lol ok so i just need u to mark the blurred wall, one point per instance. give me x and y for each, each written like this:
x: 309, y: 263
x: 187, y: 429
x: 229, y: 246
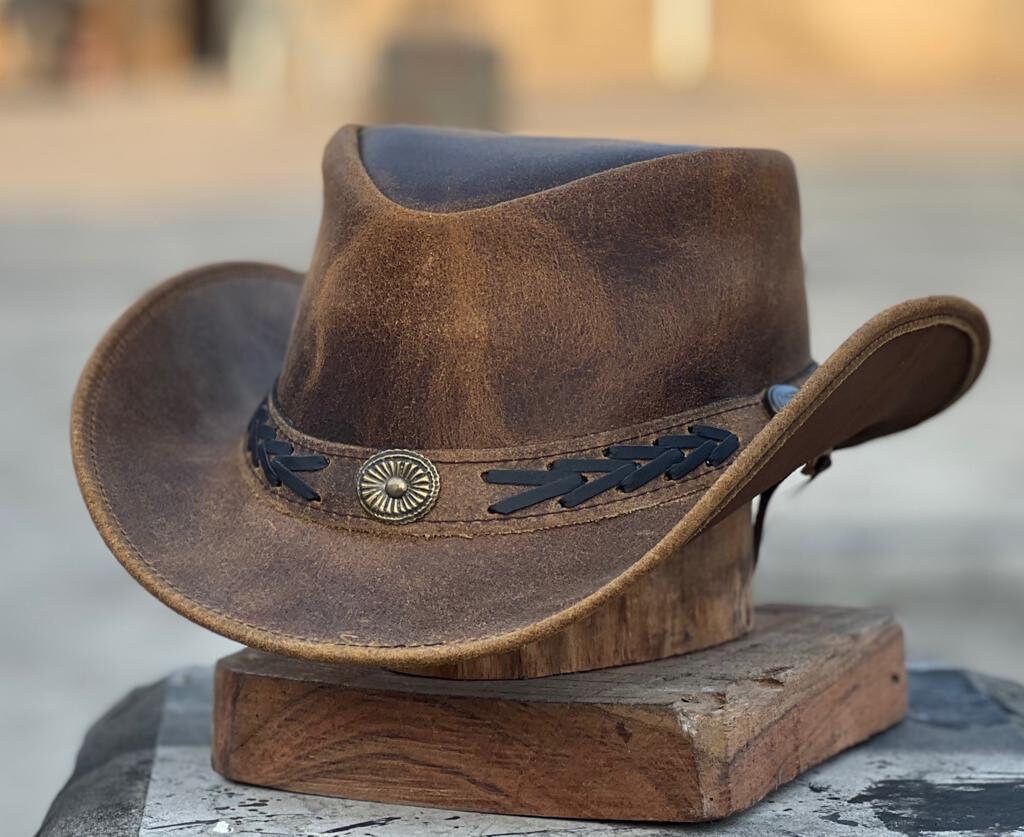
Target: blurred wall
x: 910, y: 45
x: 315, y: 46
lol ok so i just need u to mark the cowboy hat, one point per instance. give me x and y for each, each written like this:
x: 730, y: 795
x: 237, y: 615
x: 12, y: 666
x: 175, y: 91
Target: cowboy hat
x: 518, y: 374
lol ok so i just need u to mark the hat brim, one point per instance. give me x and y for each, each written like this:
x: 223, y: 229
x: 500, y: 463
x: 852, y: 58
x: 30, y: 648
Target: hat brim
x: 156, y: 437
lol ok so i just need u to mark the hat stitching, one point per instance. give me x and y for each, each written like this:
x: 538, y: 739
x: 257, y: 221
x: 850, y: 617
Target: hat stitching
x: 188, y: 282
x: 114, y: 351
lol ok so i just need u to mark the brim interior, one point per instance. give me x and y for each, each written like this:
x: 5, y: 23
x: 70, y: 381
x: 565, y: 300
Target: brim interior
x: 156, y: 436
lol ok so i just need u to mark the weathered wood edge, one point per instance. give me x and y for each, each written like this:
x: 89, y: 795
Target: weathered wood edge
x: 707, y: 751
x: 697, y: 598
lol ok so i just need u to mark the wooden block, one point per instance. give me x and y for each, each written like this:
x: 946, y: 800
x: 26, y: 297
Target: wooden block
x: 697, y: 598
x: 683, y: 739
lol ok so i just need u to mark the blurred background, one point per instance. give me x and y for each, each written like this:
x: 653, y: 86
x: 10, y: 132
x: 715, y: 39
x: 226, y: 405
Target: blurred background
x: 142, y: 137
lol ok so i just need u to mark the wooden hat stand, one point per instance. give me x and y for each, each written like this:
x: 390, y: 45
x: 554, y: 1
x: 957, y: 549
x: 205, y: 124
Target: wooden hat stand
x: 674, y: 702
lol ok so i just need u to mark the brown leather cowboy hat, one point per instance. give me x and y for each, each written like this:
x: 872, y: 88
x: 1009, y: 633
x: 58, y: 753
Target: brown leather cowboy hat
x: 519, y: 373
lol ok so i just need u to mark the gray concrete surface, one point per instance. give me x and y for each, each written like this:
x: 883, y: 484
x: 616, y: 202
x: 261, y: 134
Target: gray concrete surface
x: 929, y: 522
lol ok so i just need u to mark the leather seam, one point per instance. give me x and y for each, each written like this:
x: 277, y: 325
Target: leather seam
x: 353, y: 138
x: 112, y: 354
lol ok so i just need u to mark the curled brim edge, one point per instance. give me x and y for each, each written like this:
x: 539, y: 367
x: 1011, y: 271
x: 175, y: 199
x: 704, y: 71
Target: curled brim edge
x: 903, y: 366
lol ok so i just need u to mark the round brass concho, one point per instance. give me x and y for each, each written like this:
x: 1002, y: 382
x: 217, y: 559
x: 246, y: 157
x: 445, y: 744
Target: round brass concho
x: 397, y: 486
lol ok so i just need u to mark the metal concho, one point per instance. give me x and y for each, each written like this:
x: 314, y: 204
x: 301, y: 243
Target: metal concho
x: 397, y: 486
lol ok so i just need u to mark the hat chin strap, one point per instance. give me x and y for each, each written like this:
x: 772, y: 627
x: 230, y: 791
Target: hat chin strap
x: 812, y: 469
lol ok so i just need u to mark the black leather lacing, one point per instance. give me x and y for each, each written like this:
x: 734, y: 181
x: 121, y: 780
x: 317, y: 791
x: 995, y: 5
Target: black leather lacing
x: 274, y: 456
x: 621, y: 469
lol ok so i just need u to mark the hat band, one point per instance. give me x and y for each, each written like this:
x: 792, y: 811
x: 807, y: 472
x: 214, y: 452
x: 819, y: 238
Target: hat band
x: 453, y: 492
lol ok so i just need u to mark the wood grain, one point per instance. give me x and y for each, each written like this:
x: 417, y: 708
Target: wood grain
x: 698, y: 598
x: 685, y: 739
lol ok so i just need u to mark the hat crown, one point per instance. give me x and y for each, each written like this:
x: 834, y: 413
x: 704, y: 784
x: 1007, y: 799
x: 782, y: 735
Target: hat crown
x: 491, y: 291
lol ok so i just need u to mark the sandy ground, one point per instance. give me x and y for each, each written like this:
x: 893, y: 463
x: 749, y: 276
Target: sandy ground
x: 98, y: 205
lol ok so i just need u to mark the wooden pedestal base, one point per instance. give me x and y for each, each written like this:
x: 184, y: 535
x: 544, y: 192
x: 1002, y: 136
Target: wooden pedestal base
x: 683, y: 739
x: 698, y: 597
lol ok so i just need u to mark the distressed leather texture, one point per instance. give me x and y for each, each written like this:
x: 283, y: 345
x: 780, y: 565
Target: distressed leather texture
x: 597, y: 311
x: 634, y: 293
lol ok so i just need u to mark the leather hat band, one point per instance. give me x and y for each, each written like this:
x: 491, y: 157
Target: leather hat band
x: 465, y: 491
